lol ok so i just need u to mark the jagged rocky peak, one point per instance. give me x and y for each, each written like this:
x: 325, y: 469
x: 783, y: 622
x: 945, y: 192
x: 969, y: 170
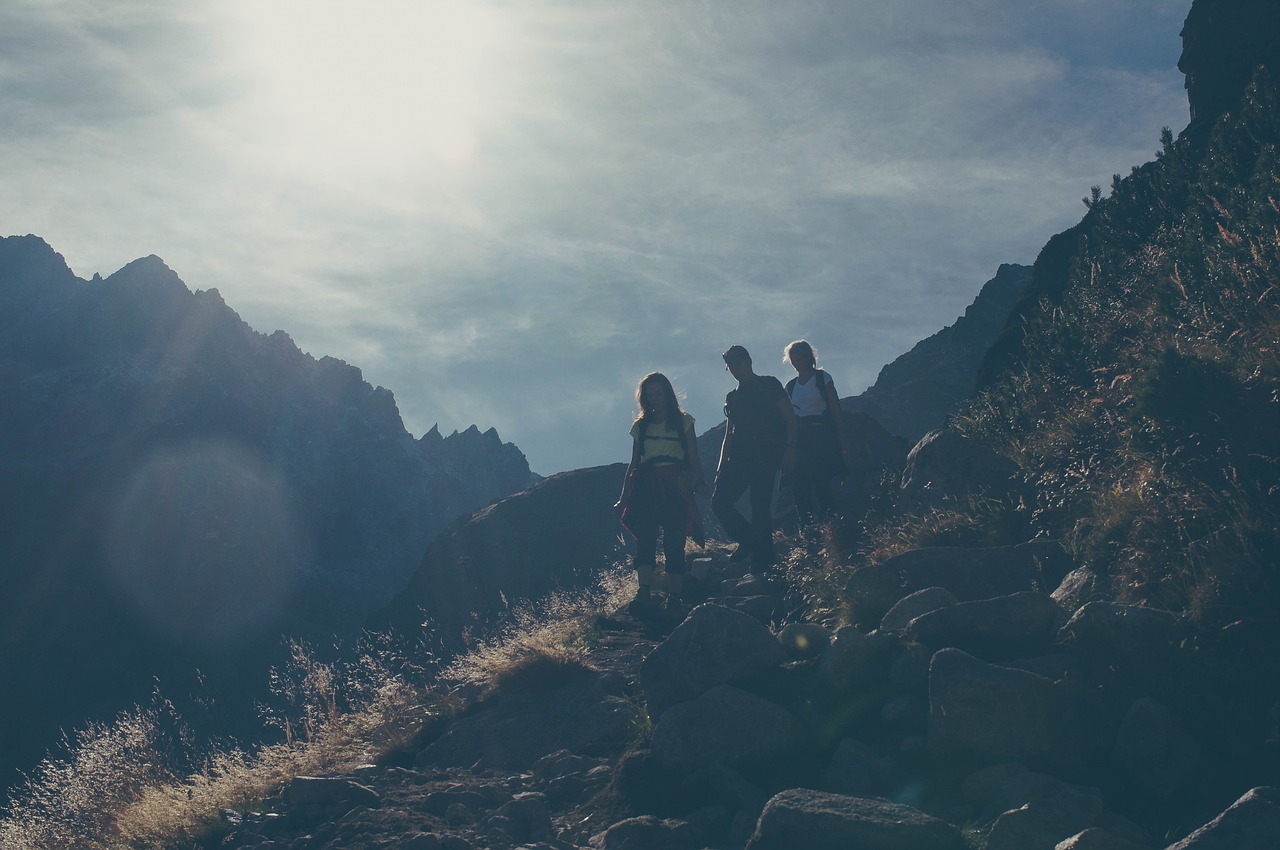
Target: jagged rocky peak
x: 1223, y: 43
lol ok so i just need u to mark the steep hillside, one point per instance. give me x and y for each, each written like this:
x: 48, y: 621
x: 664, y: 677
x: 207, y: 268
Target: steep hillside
x: 1138, y: 385
x: 918, y: 391
x: 177, y: 490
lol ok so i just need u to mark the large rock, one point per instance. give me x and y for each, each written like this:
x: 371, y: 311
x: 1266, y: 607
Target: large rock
x: 1154, y: 751
x: 914, y: 605
x: 1252, y: 823
x: 946, y: 466
x: 1096, y: 838
x: 1004, y: 627
x: 816, y: 820
x: 558, y: 533
x: 727, y: 726
x: 848, y: 661
x: 1009, y: 786
x: 714, y: 645
x: 968, y: 574
x: 1134, y: 641
x: 545, y: 711
x: 1031, y: 828
x: 980, y: 713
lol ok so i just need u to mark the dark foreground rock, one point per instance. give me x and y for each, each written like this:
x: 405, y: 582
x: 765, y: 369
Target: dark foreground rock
x: 822, y: 821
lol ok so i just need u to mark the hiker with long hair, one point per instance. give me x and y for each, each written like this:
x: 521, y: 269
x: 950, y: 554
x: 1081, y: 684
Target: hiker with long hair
x: 657, y: 492
x: 821, y: 445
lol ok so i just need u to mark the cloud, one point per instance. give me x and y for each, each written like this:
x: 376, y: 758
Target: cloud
x: 641, y: 184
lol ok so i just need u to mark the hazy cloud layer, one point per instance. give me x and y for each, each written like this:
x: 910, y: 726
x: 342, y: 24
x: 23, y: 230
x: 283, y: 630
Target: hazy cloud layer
x: 508, y: 213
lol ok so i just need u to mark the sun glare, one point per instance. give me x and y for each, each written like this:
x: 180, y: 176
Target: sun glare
x: 378, y: 86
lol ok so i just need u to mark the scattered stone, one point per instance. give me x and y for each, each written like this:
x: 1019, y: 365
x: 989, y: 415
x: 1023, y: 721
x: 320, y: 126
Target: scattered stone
x: 328, y: 791
x: 969, y: 574
x: 1032, y: 827
x: 981, y: 713
x: 1080, y: 587
x: 1251, y: 823
x: 1008, y: 786
x: 915, y: 604
x: 1095, y: 838
x: 847, y: 661
x: 727, y: 726
x: 816, y: 820
x: 1154, y: 751
x: 1135, y: 640
x: 713, y: 646
x: 855, y: 769
x: 1002, y: 627
x: 572, y: 709
x: 804, y: 640
x: 946, y: 466
x: 647, y: 833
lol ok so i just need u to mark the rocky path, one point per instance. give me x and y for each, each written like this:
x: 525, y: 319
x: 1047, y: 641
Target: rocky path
x: 965, y: 709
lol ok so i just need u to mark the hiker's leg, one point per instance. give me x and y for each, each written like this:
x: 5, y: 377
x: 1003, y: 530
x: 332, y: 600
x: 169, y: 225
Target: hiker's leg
x: 762, y: 479
x: 731, y: 483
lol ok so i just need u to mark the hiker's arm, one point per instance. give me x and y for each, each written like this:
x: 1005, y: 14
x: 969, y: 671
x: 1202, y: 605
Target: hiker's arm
x: 837, y: 413
x: 695, y: 462
x: 724, y: 447
x: 793, y: 428
x: 635, y: 459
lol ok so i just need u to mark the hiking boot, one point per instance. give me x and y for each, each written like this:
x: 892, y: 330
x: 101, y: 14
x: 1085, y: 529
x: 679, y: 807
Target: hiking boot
x: 643, y: 605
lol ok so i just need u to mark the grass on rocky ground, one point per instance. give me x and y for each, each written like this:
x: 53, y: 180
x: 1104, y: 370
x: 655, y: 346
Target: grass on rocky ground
x: 141, y: 782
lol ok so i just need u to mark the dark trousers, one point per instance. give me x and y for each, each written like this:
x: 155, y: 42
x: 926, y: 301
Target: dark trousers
x: 818, y: 465
x: 661, y: 505
x: 737, y: 475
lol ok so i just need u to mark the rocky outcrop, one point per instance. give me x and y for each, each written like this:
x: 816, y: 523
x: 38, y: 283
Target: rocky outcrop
x: 1223, y: 42
x: 556, y: 534
x: 918, y: 391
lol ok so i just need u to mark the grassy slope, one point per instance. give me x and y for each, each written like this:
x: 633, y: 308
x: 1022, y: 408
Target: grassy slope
x: 1139, y: 382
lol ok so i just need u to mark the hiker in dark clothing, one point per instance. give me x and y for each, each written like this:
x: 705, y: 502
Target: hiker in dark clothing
x: 821, y: 446
x: 658, y: 490
x: 759, y: 437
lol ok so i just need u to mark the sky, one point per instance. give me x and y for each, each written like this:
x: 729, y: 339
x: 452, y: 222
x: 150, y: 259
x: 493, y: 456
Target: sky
x: 507, y: 213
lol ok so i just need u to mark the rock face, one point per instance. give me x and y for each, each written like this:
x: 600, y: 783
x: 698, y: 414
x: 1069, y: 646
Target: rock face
x: 177, y: 490
x: 917, y: 392
x: 1223, y: 41
x: 558, y: 533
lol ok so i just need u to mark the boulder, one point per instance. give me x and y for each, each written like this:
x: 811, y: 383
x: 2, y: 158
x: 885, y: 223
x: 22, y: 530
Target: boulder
x: 1251, y: 823
x: 816, y: 820
x: 969, y: 574
x: 727, y: 726
x: 327, y: 791
x: 1154, y: 751
x: 1008, y: 786
x: 1096, y: 838
x: 1080, y: 587
x: 913, y: 605
x: 520, y: 820
x: 714, y: 645
x: 1134, y: 641
x: 1030, y: 828
x: 981, y: 713
x: 1010, y: 626
x: 946, y: 466
x: 804, y: 640
x: 856, y: 769
x: 569, y: 708
x: 648, y: 833
x: 847, y: 661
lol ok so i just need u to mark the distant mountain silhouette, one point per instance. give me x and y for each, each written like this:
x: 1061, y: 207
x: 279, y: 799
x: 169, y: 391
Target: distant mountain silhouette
x: 177, y: 490
x: 918, y: 391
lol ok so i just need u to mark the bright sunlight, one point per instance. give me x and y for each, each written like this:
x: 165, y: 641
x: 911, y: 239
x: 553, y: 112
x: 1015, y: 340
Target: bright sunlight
x: 370, y: 88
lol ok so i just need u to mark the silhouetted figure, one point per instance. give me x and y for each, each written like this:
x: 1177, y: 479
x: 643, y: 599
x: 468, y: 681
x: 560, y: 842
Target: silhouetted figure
x: 657, y: 493
x: 759, y: 437
x: 821, y: 447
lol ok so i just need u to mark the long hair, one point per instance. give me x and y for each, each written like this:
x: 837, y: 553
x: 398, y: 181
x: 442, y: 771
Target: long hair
x: 803, y: 349
x: 674, y: 413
